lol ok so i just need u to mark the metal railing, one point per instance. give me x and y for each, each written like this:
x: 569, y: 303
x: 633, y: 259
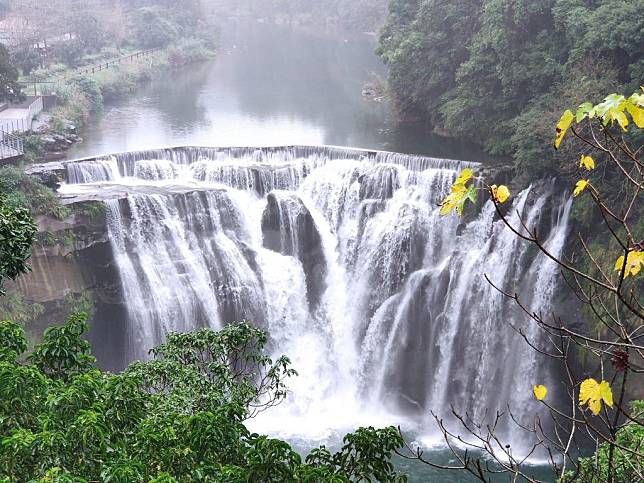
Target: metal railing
x: 37, y: 88
x: 11, y: 146
x: 9, y: 126
x: 92, y: 69
x: 35, y: 108
x: 27, y: 113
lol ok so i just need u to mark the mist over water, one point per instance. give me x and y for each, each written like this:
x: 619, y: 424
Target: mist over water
x: 259, y: 91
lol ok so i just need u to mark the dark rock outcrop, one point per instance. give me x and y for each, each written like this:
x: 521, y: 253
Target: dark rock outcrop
x: 289, y: 228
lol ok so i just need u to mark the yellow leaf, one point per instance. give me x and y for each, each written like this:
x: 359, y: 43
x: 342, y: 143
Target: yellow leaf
x: 634, y: 263
x: 592, y: 393
x: 637, y: 113
x: 586, y: 390
x: 465, y: 176
x: 587, y: 162
x: 452, y: 200
x: 595, y: 406
x: 621, y: 119
x: 460, y: 192
x: 500, y: 193
x: 562, y: 127
x: 637, y: 99
x: 540, y: 392
x: 580, y: 186
x: 619, y: 264
x: 447, y: 205
x: 458, y: 188
x: 606, y: 393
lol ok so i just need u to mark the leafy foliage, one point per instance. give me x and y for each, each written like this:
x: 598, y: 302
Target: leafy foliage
x: 17, y: 232
x: 593, y: 393
x: 634, y: 263
x: 23, y: 191
x: 177, y: 417
x: 12, y: 340
x: 9, y: 88
x: 14, y: 306
x: 464, y: 189
x: 627, y: 464
x: 153, y: 29
x: 495, y: 71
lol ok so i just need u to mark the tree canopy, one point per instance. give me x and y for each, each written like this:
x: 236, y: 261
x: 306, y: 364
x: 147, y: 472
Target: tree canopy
x: 9, y: 88
x: 489, y: 70
x: 177, y: 417
x: 17, y: 232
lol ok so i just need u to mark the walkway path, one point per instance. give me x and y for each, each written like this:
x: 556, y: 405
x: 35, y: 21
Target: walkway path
x: 17, y: 119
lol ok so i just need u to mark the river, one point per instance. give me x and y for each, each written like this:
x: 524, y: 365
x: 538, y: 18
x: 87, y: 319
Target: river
x: 269, y: 85
x: 273, y: 85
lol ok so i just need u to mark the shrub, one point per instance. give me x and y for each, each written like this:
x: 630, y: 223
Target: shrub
x: 90, y: 89
x: 22, y: 190
x: 626, y: 463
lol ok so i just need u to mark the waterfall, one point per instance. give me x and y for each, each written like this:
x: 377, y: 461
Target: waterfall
x: 106, y: 169
x: 342, y: 257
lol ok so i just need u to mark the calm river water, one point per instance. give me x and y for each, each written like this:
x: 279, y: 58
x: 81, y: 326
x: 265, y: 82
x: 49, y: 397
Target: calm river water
x: 272, y: 85
x: 269, y: 85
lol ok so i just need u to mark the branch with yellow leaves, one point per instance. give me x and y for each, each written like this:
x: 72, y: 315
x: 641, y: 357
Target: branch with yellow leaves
x: 612, y: 300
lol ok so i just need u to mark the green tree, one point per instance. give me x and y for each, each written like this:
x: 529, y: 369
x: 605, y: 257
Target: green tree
x: 22, y: 190
x: 10, y: 90
x: 153, y: 28
x: 489, y: 70
x: 627, y: 464
x: 177, y: 417
x: 17, y: 232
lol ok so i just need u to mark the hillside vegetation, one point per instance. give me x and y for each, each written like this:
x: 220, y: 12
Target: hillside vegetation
x: 499, y: 71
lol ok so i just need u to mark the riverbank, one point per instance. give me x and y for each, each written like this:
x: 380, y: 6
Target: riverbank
x: 81, y: 95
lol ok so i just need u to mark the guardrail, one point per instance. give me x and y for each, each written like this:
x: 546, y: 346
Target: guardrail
x: 9, y: 126
x: 26, y: 113
x: 35, y: 108
x: 92, y: 69
x: 45, y: 88
x: 10, y: 146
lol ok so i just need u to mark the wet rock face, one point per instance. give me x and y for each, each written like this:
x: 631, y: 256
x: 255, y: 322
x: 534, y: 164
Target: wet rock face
x: 69, y: 256
x: 73, y: 258
x: 288, y: 228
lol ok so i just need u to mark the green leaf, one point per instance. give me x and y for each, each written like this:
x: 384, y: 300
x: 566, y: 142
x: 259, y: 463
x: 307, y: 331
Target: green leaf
x: 583, y: 111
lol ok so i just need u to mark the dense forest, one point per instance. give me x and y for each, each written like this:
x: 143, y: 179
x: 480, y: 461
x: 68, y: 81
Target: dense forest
x: 498, y: 71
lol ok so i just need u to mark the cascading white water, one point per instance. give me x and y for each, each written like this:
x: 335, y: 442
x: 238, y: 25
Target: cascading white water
x: 341, y: 255
x: 106, y: 169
